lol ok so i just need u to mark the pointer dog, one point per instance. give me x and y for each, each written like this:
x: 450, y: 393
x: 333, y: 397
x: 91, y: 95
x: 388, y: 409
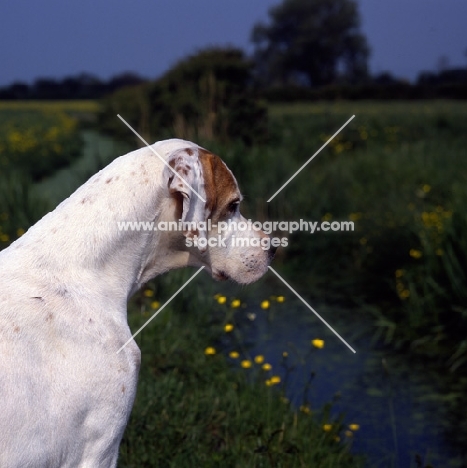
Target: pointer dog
x: 65, y: 393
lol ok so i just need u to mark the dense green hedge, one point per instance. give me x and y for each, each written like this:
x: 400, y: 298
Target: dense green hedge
x: 207, y: 96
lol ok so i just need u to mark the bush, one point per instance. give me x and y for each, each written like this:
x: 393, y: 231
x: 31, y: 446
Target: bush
x: 208, y: 96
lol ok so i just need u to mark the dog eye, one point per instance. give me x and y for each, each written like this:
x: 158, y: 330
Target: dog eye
x: 233, y: 206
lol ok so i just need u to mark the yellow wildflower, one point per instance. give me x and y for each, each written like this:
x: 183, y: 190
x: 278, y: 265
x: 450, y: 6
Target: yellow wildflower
x: 355, y: 216
x: 265, y: 305
x: 404, y: 294
x: 280, y: 298
x: 234, y: 355
x: 317, y: 343
x: 221, y: 299
x: 414, y: 253
x: 354, y: 427
x: 209, y: 351
x: 148, y: 293
x: 155, y: 304
x: 235, y: 303
x: 246, y: 364
x: 266, y: 366
x: 327, y: 427
x: 228, y: 327
x: 259, y: 359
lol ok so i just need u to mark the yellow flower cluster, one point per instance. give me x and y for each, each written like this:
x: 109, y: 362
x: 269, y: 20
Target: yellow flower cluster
x: 45, y: 134
x: 337, y: 143
x: 402, y: 290
x: 349, y: 433
x: 435, y: 219
x: 235, y: 303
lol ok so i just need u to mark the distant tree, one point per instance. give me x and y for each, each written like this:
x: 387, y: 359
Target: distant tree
x: 82, y: 86
x: 385, y: 78
x: 124, y: 79
x: 442, y: 63
x: 46, y: 88
x: 17, y: 90
x: 316, y: 41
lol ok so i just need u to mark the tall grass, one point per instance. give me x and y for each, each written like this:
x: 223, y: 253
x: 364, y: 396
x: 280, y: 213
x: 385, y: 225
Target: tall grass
x: 20, y: 207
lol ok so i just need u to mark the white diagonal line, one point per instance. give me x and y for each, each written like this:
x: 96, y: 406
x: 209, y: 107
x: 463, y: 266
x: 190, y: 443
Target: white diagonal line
x: 317, y: 152
x: 160, y: 309
x: 311, y: 308
x: 159, y: 156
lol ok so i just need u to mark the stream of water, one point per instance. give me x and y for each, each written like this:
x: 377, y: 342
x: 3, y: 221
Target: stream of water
x: 396, y: 405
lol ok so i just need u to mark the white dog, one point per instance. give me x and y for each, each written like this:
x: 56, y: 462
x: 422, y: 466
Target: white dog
x: 65, y: 392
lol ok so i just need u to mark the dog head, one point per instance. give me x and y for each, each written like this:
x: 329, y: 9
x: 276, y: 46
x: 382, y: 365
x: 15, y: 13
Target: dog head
x: 207, y: 207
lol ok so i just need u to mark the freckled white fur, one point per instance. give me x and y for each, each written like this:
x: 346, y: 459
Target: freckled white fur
x: 65, y: 393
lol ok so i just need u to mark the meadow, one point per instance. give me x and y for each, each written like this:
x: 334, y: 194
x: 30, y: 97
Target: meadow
x: 398, y: 171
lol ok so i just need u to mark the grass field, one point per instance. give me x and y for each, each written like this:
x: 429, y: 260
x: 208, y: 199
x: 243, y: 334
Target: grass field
x: 50, y: 106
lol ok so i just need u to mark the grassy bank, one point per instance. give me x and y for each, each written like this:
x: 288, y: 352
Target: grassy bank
x: 193, y: 409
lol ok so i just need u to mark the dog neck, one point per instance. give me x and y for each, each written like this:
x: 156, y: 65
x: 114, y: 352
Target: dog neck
x: 88, y: 230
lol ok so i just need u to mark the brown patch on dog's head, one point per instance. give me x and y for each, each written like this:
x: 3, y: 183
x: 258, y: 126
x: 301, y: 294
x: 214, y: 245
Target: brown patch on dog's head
x: 220, y: 185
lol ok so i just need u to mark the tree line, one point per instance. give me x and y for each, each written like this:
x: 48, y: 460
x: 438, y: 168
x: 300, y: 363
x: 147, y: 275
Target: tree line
x: 81, y: 86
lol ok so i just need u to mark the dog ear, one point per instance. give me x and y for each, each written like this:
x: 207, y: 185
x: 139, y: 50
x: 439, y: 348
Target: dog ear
x: 186, y: 179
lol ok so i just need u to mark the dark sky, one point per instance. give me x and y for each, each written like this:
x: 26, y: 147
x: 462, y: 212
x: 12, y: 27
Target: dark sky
x: 55, y: 38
